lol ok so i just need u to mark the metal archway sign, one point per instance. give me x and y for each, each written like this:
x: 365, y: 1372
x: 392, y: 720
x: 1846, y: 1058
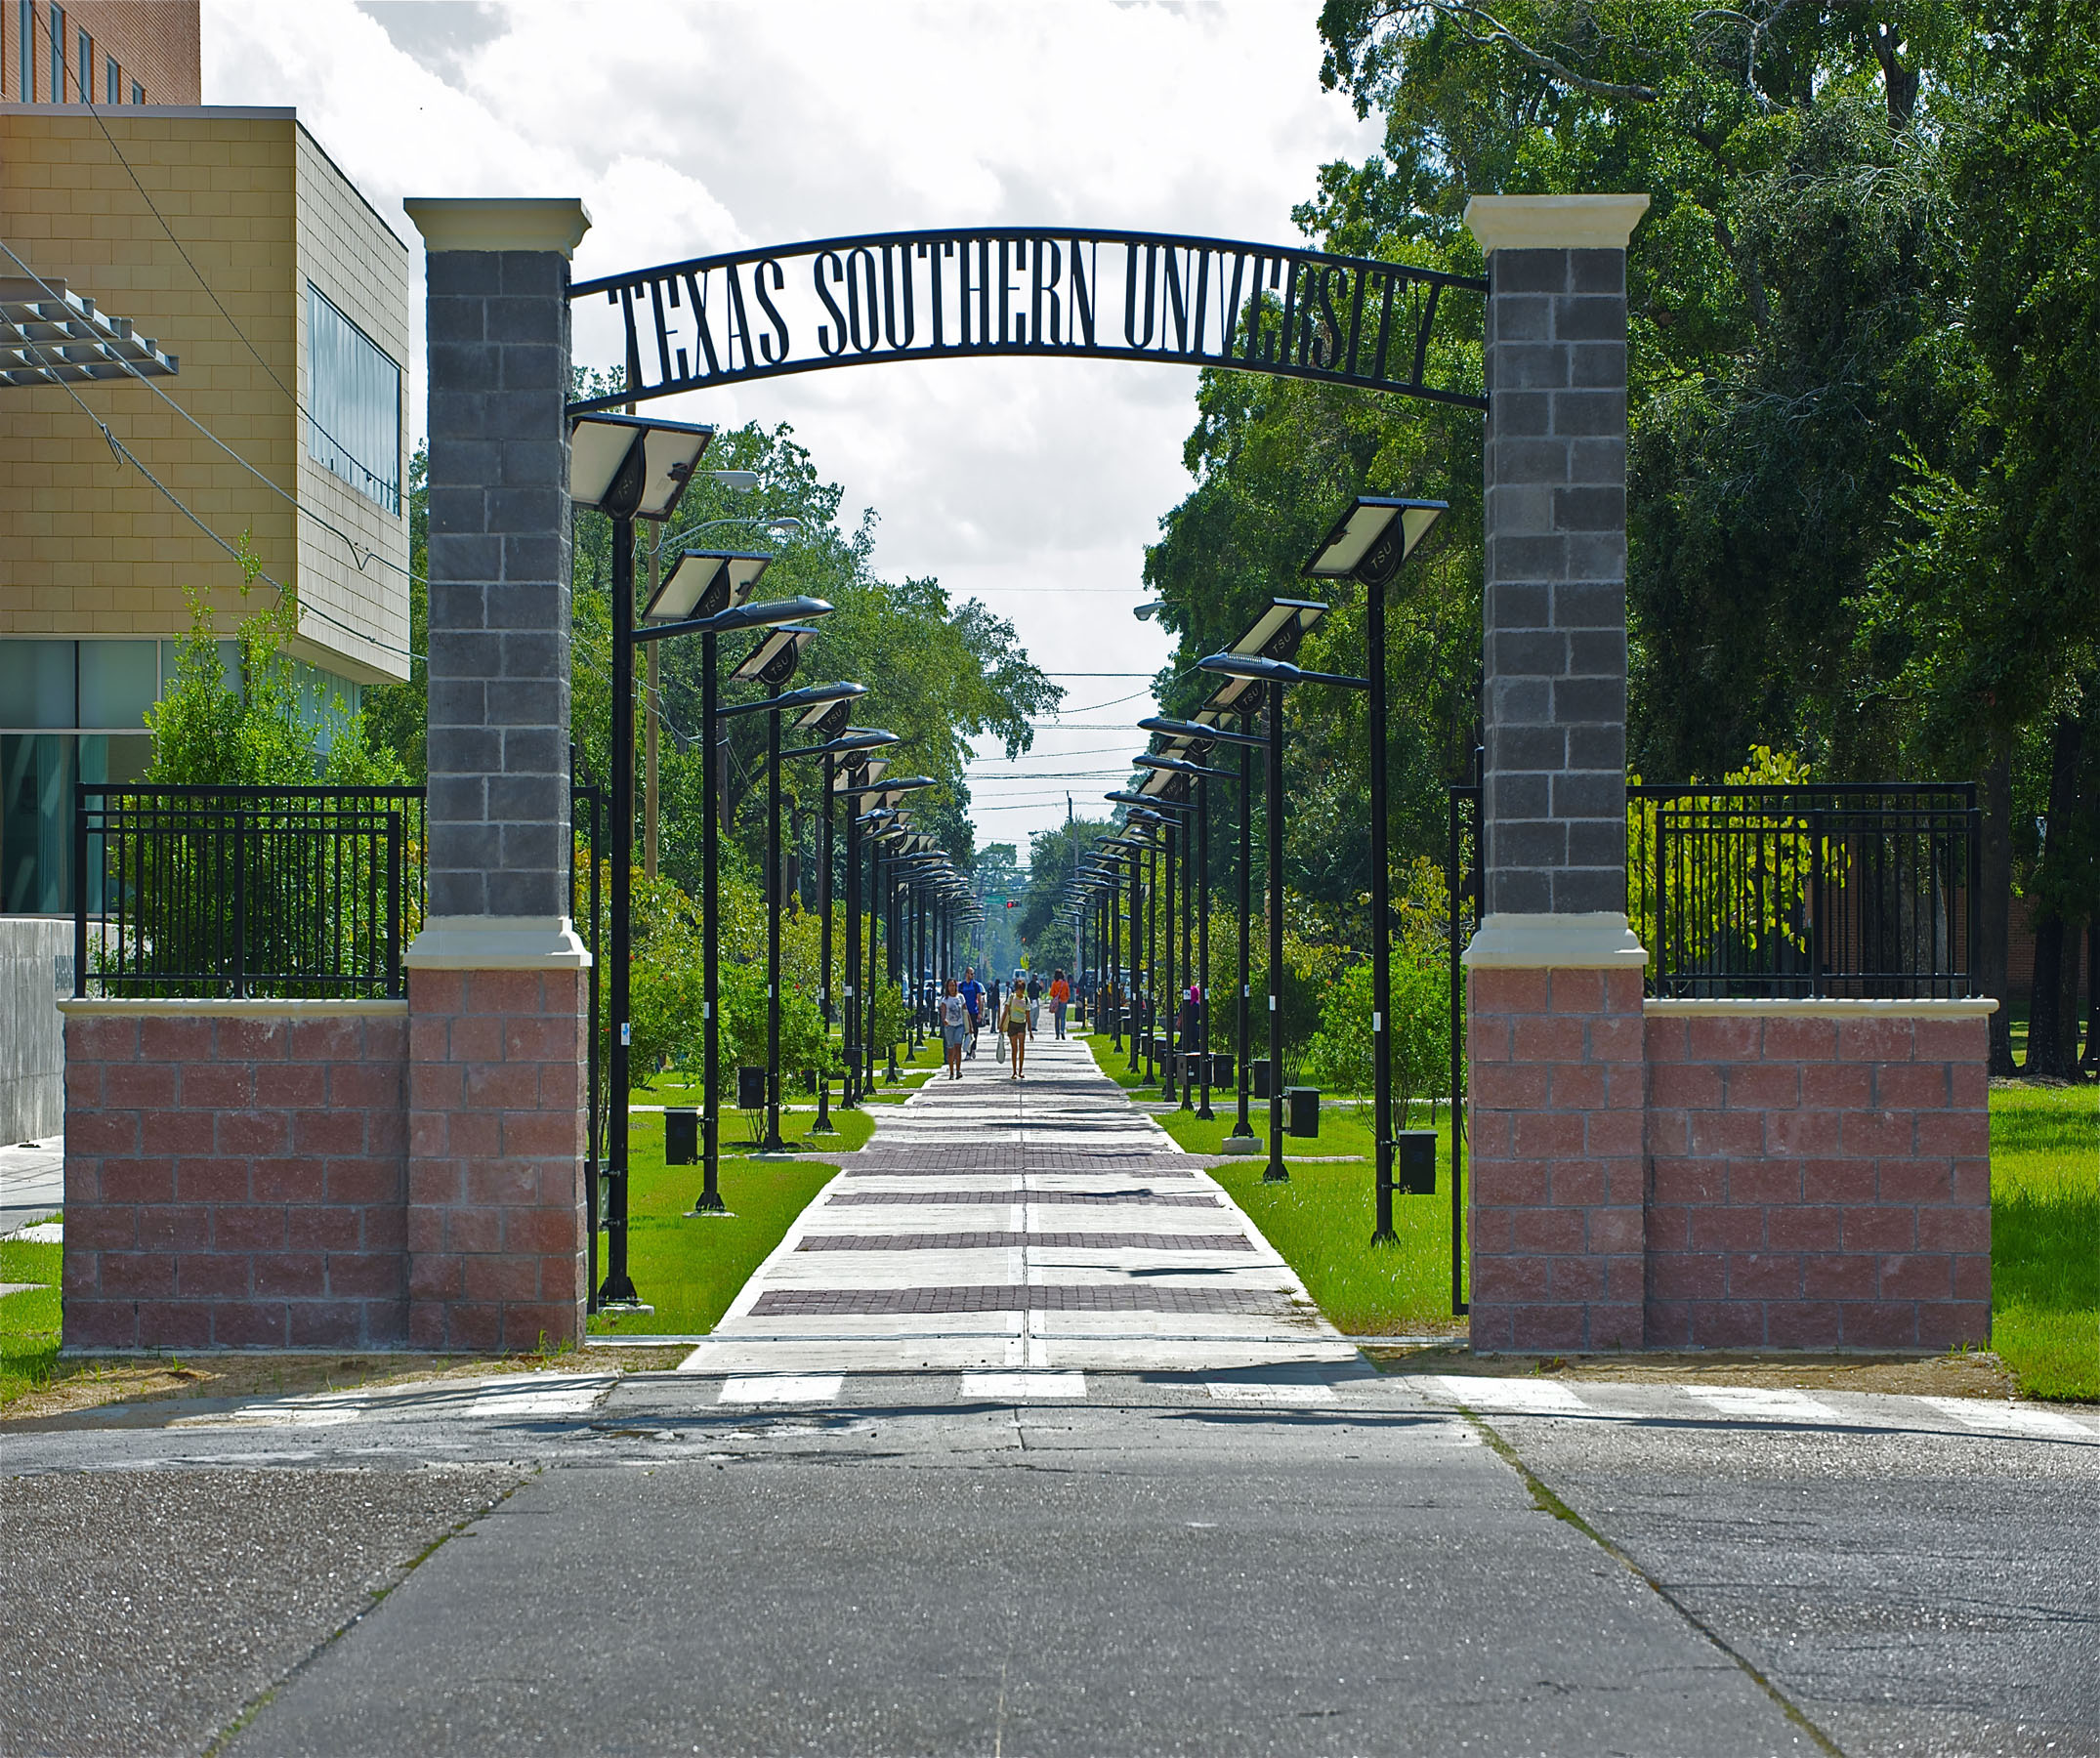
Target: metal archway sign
x: 1033, y: 292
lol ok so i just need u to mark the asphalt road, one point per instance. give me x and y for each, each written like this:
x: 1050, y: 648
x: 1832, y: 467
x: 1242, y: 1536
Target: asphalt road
x: 1325, y: 1562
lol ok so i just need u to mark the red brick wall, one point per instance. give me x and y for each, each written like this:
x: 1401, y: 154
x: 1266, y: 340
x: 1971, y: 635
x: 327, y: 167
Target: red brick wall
x: 235, y: 1181
x: 1818, y: 1182
x: 495, y: 1171
x: 157, y: 43
x: 1555, y: 1090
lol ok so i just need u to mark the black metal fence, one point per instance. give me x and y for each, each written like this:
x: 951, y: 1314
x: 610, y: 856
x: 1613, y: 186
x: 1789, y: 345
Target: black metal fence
x: 210, y: 891
x: 1789, y: 893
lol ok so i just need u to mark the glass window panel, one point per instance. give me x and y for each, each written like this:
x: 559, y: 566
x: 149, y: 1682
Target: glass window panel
x: 36, y: 798
x: 119, y: 682
x: 57, y: 55
x: 111, y: 88
x: 355, y: 404
x: 138, y: 93
x: 36, y: 684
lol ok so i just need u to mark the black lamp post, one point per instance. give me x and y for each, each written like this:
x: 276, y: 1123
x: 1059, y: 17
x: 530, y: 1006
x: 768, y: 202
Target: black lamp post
x: 771, y: 663
x: 1369, y: 543
x: 1203, y: 775
x: 627, y: 469
x: 838, y: 746
x: 704, y: 593
x: 1278, y: 674
x: 1201, y: 732
x: 1274, y: 634
x: 857, y: 771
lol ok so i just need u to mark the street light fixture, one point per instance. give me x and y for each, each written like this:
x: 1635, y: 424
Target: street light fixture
x: 1368, y: 543
x: 627, y: 468
x: 771, y: 661
x: 1278, y: 674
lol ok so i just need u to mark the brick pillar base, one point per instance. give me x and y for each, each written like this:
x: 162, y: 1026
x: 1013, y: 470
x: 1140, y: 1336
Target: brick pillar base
x: 497, y: 1144
x: 1555, y: 1115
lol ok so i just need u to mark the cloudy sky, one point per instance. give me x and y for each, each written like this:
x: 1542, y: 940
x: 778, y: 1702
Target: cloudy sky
x: 690, y: 128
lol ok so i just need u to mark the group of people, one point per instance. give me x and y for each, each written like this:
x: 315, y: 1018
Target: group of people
x: 966, y: 1005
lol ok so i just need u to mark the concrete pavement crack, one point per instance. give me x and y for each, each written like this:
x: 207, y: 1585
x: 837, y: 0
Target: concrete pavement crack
x: 1548, y: 1501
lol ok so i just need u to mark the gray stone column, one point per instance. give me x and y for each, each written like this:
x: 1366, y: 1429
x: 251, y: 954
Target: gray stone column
x: 1554, y: 703
x: 496, y: 1215
x: 1556, y: 1086
x: 499, y: 381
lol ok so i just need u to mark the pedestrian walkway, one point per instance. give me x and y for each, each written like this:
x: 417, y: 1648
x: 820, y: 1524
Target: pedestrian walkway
x: 997, y: 1224
x: 32, y: 1182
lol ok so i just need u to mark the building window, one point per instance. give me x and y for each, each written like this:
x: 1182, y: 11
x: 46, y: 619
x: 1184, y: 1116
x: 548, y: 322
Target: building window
x: 25, y: 44
x: 138, y: 93
x: 57, y: 55
x: 112, y: 90
x: 84, y: 70
x: 353, y: 402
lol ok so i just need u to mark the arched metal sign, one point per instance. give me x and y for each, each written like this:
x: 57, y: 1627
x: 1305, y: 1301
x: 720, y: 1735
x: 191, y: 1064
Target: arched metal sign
x: 1036, y: 292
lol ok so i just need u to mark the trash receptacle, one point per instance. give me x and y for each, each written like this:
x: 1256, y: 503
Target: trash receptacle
x: 682, y: 1136
x: 1414, y: 1162
x: 1301, y: 1110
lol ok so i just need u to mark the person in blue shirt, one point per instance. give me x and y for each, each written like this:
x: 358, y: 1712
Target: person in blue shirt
x: 973, y: 994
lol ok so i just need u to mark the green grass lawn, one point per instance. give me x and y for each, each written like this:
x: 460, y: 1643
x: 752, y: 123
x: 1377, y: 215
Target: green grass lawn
x: 29, y: 1322
x: 690, y: 1270
x: 682, y: 1086
x: 2045, y: 1236
x: 1321, y: 1222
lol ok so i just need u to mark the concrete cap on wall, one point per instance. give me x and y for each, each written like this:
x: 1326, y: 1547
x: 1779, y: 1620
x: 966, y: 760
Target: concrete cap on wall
x: 1554, y: 222
x: 1588, y: 941
x: 555, y: 224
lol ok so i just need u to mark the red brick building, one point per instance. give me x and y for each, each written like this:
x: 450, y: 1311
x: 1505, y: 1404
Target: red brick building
x: 108, y: 53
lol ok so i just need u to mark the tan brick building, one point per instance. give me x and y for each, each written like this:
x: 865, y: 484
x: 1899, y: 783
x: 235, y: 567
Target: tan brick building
x: 228, y: 237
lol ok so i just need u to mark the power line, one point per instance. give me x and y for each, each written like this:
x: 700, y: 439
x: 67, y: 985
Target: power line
x: 81, y: 83
x: 358, y: 553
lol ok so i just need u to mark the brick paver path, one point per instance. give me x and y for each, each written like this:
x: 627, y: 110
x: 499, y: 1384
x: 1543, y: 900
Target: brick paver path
x: 962, y: 1237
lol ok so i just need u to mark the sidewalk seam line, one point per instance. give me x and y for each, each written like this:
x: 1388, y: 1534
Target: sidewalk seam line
x: 1548, y: 1501
x: 223, y: 1740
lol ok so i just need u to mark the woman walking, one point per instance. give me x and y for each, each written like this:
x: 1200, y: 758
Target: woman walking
x: 1060, y: 995
x: 1016, y: 1025
x: 954, y: 1027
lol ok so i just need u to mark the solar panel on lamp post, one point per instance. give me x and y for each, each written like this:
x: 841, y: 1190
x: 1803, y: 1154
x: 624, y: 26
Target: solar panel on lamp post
x: 839, y: 746
x: 1278, y: 674
x: 704, y: 594
x: 1160, y: 805
x: 858, y: 787
x: 1203, y: 775
x: 628, y: 469
x: 771, y: 663
x: 1369, y: 544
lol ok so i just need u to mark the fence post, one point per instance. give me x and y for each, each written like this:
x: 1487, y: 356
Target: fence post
x: 1554, y: 1042
x: 241, y: 903
x: 496, y: 977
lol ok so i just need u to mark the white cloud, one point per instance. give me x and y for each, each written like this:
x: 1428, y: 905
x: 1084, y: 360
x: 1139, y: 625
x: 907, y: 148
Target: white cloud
x: 692, y: 128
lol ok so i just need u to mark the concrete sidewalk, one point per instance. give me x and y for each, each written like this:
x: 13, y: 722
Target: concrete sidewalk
x: 32, y: 1182
x: 1039, y: 1224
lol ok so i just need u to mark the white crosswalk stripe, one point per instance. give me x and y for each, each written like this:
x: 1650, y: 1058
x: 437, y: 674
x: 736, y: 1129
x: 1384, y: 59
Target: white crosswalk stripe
x: 1023, y: 1387
x: 1264, y: 1391
x: 1513, y: 1397
x: 1763, y: 1404
x: 2010, y: 1418
x: 783, y: 1389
